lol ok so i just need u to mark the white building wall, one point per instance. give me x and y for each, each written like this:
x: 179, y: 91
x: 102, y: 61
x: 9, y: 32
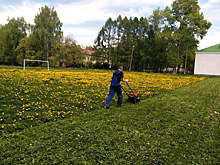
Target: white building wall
x: 207, y: 63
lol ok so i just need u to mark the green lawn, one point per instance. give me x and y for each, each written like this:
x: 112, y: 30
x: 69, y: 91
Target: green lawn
x: 178, y: 127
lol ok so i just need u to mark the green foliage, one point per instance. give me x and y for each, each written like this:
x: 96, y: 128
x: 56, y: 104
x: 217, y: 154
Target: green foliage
x: 15, y: 46
x: 116, y: 39
x: 11, y: 34
x: 165, y: 39
x: 189, y: 24
x: 25, y: 51
x: 47, y: 31
x: 162, y: 40
x: 68, y: 53
x: 89, y: 65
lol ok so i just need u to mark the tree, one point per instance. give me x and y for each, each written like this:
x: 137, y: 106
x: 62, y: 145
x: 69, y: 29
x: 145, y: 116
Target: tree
x: 109, y: 33
x: 127, y: 43
x: 161, y: 39
x: 118, y: 45
x: 69, y: 53
x: 168, y: 38
x: 191, y: 25
x: 47, y: 31
x: 2, y: 28
x: 25, y: 50
x: 11, y: 33
x: 106, y: 41
x: 100, y: 46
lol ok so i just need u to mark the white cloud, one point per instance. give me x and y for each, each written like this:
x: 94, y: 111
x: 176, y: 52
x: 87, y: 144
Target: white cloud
x: 99, y: 10
x: 79, y: 31
x: 83, y: 11
x: 211, y: 9
x: 77, y: 13
x: 85, y: 41
x: 211, y: 13
x: 211, y: 38
x: 27, y: 9
x: 214, y: 1
x: 83, y: 36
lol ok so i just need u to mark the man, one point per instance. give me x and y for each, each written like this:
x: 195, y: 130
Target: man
x: 116, y: 87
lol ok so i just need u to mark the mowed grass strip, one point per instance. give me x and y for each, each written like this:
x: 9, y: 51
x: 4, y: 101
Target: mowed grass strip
x: 178, y: 127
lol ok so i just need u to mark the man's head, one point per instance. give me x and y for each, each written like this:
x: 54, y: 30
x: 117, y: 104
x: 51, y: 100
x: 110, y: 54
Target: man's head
x: 120, y: 67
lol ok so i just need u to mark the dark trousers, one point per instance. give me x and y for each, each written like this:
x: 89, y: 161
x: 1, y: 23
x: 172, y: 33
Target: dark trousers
x: 112, y: 91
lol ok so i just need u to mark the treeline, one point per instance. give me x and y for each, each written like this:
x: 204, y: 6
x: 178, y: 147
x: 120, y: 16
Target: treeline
x: 168, y: 38
x: 20, y: 40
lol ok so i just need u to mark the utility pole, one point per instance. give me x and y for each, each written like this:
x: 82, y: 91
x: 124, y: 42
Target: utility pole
x: 131, y: 58
x: 186, y: 58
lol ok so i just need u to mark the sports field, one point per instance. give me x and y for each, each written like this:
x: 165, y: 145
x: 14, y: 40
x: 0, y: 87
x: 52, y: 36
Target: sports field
x: 56, y: 117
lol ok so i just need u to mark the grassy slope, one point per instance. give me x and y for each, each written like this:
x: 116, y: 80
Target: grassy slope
x: 179, y: 127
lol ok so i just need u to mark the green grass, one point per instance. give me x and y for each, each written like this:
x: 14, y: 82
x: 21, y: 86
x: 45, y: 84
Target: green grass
x: 178, y: 127
x: 38, y: 68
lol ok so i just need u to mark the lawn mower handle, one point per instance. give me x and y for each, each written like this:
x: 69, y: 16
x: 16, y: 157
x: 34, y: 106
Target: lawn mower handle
x: 130, y: 88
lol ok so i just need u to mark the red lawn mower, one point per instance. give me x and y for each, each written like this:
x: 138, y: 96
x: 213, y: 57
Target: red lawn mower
x: 132, y: 97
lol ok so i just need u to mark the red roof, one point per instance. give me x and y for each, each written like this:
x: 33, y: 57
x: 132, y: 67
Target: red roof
x: 90, y: 52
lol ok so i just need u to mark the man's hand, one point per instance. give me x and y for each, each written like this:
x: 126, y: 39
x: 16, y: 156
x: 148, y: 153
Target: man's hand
x: 124, y: 80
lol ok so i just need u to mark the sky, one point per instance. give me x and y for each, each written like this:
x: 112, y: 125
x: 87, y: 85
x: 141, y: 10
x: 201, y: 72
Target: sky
x: 83, y: 19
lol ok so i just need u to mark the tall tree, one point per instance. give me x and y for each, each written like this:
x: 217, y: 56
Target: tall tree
x: 68, y: 52
x: 2, y: 28
x: 47, y: 30
x: 168, y: 38
x: 118, y: 45
x: 100, y: 47
x: 109, y: 36
x: 191, y: 25
x: 157, y: 46
x: 147, y: 37
x: 127, y: 43
x: 11, y: 34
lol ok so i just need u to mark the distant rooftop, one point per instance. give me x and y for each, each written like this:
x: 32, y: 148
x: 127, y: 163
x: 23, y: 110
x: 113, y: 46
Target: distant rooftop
x: 90, y: 52
x: 215, y: 48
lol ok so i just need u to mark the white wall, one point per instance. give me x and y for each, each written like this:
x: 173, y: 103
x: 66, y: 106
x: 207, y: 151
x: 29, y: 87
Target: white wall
x: 207, y: 63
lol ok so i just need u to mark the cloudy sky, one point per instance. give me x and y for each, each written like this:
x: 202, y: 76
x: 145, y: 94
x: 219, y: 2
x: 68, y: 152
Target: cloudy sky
x: 84, y: 18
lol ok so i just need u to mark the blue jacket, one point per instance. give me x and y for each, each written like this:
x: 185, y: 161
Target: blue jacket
x: 117, y: 76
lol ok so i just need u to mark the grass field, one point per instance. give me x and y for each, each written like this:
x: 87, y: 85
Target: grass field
x: 56, y: 118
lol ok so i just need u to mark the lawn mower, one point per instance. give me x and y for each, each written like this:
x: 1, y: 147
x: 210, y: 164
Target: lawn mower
x: 132, y: 97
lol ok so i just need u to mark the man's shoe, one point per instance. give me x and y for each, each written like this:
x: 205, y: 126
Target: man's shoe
x: 106, y: 107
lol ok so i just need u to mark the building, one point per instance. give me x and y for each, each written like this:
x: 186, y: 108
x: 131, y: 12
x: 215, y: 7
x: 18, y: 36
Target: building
x: 207, y: 61
x: 88, y: 55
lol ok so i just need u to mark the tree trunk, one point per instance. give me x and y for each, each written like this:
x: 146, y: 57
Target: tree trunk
x: 131, y: 58
x: 186, y: 58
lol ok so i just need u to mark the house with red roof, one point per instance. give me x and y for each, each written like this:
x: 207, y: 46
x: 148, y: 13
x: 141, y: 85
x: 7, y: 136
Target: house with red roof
x: 88, y: 54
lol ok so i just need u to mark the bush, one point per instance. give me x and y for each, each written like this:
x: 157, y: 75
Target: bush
x: 89, y: 65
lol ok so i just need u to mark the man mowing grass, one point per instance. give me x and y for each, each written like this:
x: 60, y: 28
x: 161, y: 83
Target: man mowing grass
x: 116, y: 87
